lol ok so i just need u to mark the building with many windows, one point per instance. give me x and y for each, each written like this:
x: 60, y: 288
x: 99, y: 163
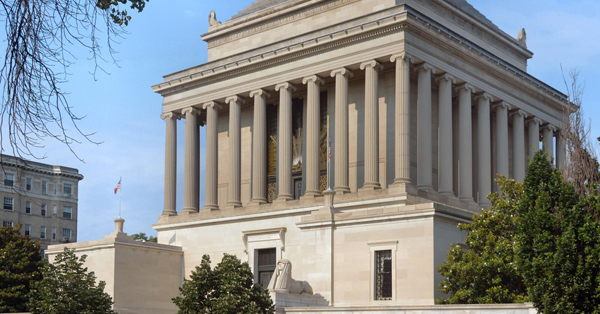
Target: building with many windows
x: 41, y: 197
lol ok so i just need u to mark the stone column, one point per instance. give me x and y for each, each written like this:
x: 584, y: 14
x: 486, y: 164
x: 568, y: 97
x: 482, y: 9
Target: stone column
x: 211, y: 201
x: 424, y: 136
x: 561, y: 151
x: 502, y: 138
x: 465, y: 143
x: 402, y: 121
x: 484, y: 149
x: 170, y: 208
x: 519, y: 145
x: 548, y: 133
x: 341, y: 184
x: 533, y: 143
x: 313, y: 135
x: 284, y: 141
x: 190, y: 188
x: 371, y: 124
x: 445, y: 186
x: 235, y: 151
x: 259, y: 147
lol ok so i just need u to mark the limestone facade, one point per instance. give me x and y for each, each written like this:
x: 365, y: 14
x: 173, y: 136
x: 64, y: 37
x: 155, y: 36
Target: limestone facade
x: 425, y: 100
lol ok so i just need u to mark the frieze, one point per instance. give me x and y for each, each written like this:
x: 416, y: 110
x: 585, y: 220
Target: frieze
x: 286, y: 19
x: 471, y: 28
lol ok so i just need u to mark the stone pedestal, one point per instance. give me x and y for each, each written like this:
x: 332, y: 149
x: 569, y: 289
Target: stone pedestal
x: 283, y: 300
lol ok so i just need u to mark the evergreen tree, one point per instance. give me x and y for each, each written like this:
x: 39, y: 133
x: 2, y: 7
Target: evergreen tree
x: 558, y: 251
x: 68, y: 287
x: 226, y: 289
x: 20, y: 263
x: 485, y: 272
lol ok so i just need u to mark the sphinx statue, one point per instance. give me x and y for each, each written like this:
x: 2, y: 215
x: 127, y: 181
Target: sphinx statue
x: 212, y: 19
x: 282, y: 281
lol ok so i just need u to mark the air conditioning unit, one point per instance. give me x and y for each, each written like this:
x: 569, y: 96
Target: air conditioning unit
x: 66, y: 240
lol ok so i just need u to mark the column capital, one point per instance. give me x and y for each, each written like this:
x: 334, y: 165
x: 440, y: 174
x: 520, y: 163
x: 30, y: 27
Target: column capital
x: 343, y: 71
x: 372, y: 63
x: 536, y: 120
x: 191, y: 110
x: 447, y: 77
x: 484, y: 95
x: 549, y: 126
x: 426, y: 67
x: 170, y: 115
x: 286, y: 85
x: 520, y: 112
x: 466, y: 86
x: 502, y: 103
x: 313, y: 79
x: 259, y: 93
x: 235, y: 99
x: 402, y: 56
x: 212, y: 104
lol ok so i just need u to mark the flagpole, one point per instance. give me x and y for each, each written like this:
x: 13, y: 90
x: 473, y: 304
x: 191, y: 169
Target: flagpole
x: 328, y: 157
x: 120, y: 195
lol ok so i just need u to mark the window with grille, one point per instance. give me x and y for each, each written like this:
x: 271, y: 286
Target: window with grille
x: 266, y: 264
x: 67, y: 189
x: 27, y: 230
x: 43, y: 212
x: 7, y: 223
x: 67, y: 212
x: 383, y: 275
x: 42, y: 232
x: 44, y: 187
x: 28, y: 184
x: 28, y: 207
x: 9, y: 180
x: 8, y: 203
x: 54, y: 210
x: 66, y: 235
x: 53, y: 234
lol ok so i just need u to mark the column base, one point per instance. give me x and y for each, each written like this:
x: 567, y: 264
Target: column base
x: 284, y: 198
x: 169, y: 212
x: 258, y: 201
x: 189, y: 210
x: 370, y: 186
x: 466, y: 199
x: 446, y: 193
x: 234, y: 204
x: 402, y: 181
x: 311, y: 194
x: 211, y: 207
x: 342, y: 189
x: 425, y: 187
x: 485, y: 205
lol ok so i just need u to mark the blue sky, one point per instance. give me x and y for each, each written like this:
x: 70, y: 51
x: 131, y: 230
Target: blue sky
x: 125, y: 114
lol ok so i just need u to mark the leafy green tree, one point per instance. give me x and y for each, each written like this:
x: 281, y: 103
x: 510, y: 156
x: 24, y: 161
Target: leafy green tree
x: 20, y: 263
x: 486, y: 271
x: 228, y: 288
x: 558, y: 242
x: 144, y: 237
x: 68, y: 287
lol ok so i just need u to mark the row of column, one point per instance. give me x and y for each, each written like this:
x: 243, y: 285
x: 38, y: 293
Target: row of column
x: 484, y: 103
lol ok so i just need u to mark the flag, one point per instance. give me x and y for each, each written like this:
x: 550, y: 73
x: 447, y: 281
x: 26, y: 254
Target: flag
x: 118, y: 187
x: 329, y: 152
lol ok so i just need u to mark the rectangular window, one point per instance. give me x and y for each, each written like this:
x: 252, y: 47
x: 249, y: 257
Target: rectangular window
x: 28, y: 184
x: 43, y: 212
x: 42, y: 232
x: 55, y: 184
x: 7, y: 224
x: 265, y: 266
x: 28, y: 207
x: 383, y: 275
x: 67, y: 212
x: 54, y: 210
x: 53, y: 234
x: 66, y: 235
x: 44, y: 187
x: 8, y: 203
x: 27, y: 230
x: 67, y: 189
x: 9, y: 179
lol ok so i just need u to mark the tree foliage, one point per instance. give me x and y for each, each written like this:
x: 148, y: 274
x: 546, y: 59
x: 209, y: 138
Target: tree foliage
x: 228, y: 288
x: 486, y: 271
x: 20, y: 263
x: 39, y: 36
x: 558, y: 237
x: 142, y: 236
x: 68, y: 287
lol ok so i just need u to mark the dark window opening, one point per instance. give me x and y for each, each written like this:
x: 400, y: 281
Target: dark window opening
x: 267, y: 261
x: 383, y: 275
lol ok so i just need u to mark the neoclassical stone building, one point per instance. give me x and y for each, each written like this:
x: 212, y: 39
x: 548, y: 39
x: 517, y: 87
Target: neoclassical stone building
x: 422, y: 102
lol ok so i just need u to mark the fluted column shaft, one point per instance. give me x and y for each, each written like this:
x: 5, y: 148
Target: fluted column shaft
x: 561, y: 151
x: 502, y: 138
x: 341, y: 184
x: 519, y: 145
x: 445, y: 187
x: 548, y: 133
x: 284, y: 145
x: 313, y: 135
x: 212, y: 156
x: 190, y: 188
x: 371, y: 69
x: 259, y: 147
x: 235, y: 151
x: 424, y: 137
x: 465, y: 143
x: 533, y: 143
x: 170, y: 163
x: 402, y: 119
x: 484, y: 149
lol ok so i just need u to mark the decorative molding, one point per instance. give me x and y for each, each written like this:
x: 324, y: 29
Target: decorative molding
x: 426, y: 67
x: 372, y: 64
x: 280, y: 232
x: 285, y: 19
x: 260, y: 93
x: 502, y: 103
x: 342, y: 71
x: 402, y: 56
x: 520, y: 112
x: 212, y: 104
x: 445, y: 76
x: 170, y: 115
x: 191, y: 110
x: 286, y: 86
x: 549, y: 126
x: 484, y: 95
x: 313, y: 79
x: 236, y: 99
x: 466, y: 86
